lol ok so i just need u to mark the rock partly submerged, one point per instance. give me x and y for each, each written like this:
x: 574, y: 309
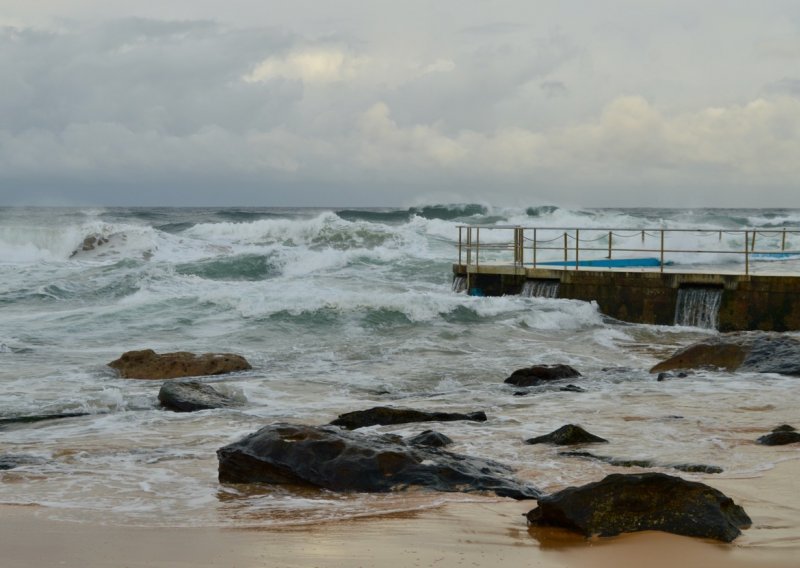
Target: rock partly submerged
x: 430, y: 438
x: 330, y: 458
x: 757, y: 352
x: 147, y: 364
x: 541, y: 374
x: 388, y: 415
x: 780, y: 436
x: 639, y: 502
x: 567, y: 435
x: 189, y: 396
x: 620, y: 462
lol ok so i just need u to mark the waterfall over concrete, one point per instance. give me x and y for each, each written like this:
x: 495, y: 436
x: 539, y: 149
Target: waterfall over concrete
x: 540, y: 289
x: 459, y: 284
x: 698, y: 307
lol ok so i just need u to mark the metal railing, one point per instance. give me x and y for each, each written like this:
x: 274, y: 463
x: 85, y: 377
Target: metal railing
x: 567, y: 248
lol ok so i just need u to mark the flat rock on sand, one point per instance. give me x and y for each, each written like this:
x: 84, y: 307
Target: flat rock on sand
x: 147, y: 364
x: 639, y: 502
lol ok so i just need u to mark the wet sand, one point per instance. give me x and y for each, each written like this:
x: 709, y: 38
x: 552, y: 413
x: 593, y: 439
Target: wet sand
x: 464, y: 534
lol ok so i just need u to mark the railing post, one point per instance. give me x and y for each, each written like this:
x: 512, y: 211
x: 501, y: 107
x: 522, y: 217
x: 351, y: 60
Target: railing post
x: 746, y: 253
x: 477, y: 247
x: 534, y: 248
x: 661, y: 264
x: 753, y: 242
x: 577, y: 247
x: 610, y: 234
x: 469, y: 259
x: 783, y: 240
x: 459, y: 244
x: 469, y: 246
x: 565, y: 249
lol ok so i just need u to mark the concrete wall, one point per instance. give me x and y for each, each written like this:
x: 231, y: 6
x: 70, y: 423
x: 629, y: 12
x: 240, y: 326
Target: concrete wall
x: 748, y: 302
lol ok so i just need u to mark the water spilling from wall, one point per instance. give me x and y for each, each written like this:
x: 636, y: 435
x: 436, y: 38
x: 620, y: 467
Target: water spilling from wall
x: 540, y: 289
x: 698, y: 307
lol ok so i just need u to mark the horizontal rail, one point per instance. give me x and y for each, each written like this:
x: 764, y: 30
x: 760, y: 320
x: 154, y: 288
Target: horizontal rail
x: 531, y: 246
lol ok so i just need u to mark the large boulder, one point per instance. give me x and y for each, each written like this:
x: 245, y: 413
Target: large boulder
x: 330, y: 458
x: 147, y: 364
x: 640, y: 502
x: 541, y: 374
x: 757, y: 352
x: 387, y: 415
x: 567, y: 435
x: 188, y: 396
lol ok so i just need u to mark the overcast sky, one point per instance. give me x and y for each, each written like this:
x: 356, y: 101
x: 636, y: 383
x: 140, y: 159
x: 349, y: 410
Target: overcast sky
x: 326, y: 102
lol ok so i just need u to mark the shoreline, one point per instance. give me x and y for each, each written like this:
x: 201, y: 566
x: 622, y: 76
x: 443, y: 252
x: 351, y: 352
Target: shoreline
x: 456, y: 534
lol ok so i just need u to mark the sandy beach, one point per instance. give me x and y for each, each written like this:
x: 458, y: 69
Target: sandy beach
x: 467, y: 534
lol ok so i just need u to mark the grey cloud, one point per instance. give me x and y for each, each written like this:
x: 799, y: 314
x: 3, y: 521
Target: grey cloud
x: 369, y: 109
x: 553, y: 89
x: 785, y: 86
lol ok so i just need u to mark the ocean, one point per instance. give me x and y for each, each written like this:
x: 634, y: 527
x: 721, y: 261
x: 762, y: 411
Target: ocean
x: 337, y: 310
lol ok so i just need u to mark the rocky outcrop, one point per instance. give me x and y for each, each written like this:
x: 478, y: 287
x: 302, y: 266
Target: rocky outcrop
x: 330, y: 458
x: 147, y: 364
x: 188, y: 396
x: 90, y: 243
x: 387, y: 415
x: 616, y: 462
x: 639, y: 502
x: 567, y: 435
x: 430, y: 438
x: 757, y: 352
x: 780, y: 436
x: 541, y: 374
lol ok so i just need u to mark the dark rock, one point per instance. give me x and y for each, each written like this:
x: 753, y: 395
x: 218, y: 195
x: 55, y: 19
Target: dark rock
x: 430, y: 438
x: 664, y: 376
x: 572, y: 388
x: 386, y: 415
x: 696, y: 468
x: 638, y: 502
x: 90, y: 243
x: 522, y: 393
x: 10, y: 461
x: 758, y: 352
x: 609, y: 460
x: 147, y: 364
x: 784, y: 428
x: 538, y: 374
x: 779, y: 438
x: 616, y: 462
x: 330, y: 458
x: 30, y: 419
x: 188, y: 396
x: 567, y: 435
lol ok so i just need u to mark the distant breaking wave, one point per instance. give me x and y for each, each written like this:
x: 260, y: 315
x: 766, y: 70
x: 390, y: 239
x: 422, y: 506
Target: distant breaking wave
x: 442, y: 212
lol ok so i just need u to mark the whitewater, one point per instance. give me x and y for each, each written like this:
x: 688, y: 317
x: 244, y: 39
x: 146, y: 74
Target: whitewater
x: 337, y: 310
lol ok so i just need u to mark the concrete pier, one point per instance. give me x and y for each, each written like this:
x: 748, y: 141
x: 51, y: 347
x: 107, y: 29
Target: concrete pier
x: 749, y: 302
